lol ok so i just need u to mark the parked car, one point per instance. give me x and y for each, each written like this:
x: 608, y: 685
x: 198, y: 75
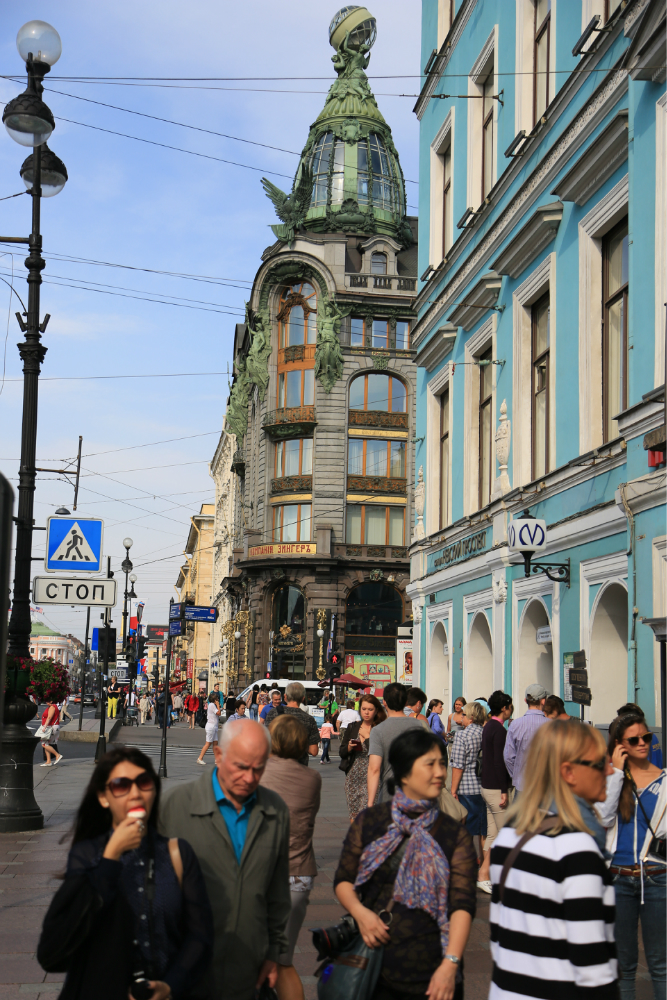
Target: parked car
x: 89, y: 698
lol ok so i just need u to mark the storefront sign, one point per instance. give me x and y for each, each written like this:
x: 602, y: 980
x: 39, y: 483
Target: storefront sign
x: 378, y: 671
x: 459, y: 551
x: 283, y: 549
x: 543, y: 635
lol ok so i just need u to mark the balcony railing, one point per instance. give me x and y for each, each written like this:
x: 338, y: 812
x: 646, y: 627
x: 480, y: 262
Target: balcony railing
x: 292, y: 421
x: 292, y: 484
x: 377, y: 484
x: 377, y: 418
x: 373, y: 552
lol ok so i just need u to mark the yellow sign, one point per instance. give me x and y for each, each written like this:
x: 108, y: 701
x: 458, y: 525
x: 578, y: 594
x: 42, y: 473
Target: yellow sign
x: 283, y: 549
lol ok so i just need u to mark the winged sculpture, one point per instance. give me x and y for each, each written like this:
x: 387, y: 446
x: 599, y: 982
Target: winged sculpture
x: 290, y: 209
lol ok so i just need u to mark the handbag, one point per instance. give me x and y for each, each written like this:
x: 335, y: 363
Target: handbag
x: 351, y: 975
x: 450, y: 806
x: 44, y: 732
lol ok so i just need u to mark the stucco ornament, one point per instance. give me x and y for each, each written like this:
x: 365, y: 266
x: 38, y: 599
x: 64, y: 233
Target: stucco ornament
x: 417, y: 611
x: 237, y: 410
x: 376, y: 575
x: 499, y: 591
x: 420, y: 495
x: 257, y: 362
x: 328, y: 355
x: 291, y: 209
x: 503, y: 438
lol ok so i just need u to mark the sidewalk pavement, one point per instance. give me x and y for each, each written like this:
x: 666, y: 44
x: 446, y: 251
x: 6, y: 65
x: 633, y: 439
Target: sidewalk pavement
x: 31, y: 865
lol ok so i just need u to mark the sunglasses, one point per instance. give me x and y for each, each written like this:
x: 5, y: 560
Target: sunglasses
x: 634, y: 740
x: 121, y: 786
x: 597, y: 765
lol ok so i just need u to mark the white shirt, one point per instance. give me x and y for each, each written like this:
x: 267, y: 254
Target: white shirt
x: 212, y: 713
x: 347, y: 717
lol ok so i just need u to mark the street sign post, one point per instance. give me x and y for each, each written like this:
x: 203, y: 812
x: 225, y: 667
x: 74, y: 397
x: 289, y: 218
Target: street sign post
x: 198, y: 613
x: 73, y: 544
x: 575, y: 679
x: 74, y: 590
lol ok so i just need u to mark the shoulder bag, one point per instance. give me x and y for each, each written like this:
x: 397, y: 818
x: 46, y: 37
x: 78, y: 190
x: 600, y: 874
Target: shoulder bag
x: 347, y: 762
x: 44, y: 732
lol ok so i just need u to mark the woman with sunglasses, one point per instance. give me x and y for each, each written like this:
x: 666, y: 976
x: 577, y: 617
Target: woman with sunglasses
x: 552, y: 902
x: 634, y: 812
x: 127, y: 884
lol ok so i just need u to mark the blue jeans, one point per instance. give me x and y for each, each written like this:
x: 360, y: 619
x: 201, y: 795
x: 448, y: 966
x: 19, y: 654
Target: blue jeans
x: 629, y: 911
x: 325, y: 750
x: 253, y: 712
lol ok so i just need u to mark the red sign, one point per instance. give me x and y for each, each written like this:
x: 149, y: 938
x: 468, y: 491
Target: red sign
x: 190, y: 669
x: 349, y: 662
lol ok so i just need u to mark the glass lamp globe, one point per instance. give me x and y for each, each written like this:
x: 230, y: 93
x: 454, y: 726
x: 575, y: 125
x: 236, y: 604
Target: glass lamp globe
x: 225, y: 641
x: 360, y: 23
x: 133, y: 578
x: 53, y: 173
x: 128, y: 543
x: 40, y: 39
x: 320, y: 633
x: 28, y: 120
x: 237, y: 635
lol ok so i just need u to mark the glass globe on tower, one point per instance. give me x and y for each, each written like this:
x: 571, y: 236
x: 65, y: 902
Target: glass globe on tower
x: 360, y: 23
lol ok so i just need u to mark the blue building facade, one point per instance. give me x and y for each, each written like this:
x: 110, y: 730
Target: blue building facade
x: 541, y: 347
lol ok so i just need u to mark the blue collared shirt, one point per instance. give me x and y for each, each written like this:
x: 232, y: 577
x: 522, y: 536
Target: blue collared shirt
x: 236, y: 822
x: 519, y: 735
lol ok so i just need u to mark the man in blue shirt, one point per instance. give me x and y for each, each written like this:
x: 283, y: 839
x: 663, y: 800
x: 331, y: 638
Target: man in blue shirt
x: 521, y: 732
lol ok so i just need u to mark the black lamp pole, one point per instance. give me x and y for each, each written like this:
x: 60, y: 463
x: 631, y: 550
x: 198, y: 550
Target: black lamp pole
x: 29, y: 121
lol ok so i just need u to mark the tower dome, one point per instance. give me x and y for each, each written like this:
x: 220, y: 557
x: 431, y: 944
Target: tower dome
x: 349, y: 177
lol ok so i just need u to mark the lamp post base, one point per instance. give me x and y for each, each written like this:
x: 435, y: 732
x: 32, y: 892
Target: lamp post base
x: 18, y: 807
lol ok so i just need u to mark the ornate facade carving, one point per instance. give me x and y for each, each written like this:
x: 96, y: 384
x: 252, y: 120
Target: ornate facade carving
x: 420, y: 495
x: 503, y: 438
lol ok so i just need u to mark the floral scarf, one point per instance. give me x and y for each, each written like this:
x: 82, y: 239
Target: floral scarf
x: 422, y: 881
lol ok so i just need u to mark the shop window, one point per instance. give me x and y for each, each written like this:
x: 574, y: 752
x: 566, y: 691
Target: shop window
x: 296, y: 388
x: 540, y: 322
x: 542, y: 44
x: 376, y: 458
x: 291, y: 523
x: 294, y: 457
x: 485, y: 428
x: 378, y: 263
x: 373, y: 609
x: 615, y: 327
x: 297, y: 315
x: 374, y: 524
x: 378, y: 392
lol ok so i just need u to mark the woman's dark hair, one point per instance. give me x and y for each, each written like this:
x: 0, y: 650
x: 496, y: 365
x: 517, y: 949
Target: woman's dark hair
x: 395, y: 697
x: 554, y: 704
x: 92, y: 819
x: 380, y: 714
x: 406, y: 749
x: 462, y: 700
x: 433, y: 703
x: 498, y: 701
x: 626, y: 802
x: 214, y: 696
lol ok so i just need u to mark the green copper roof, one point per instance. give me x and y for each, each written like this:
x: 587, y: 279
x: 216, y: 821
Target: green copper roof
x: 38, y: 629
x: 349, y: 178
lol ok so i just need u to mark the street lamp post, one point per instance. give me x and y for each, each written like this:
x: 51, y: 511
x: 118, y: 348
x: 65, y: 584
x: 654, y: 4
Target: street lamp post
x: 126, y: 567
x: 30, y: 123
x: 237, y: 636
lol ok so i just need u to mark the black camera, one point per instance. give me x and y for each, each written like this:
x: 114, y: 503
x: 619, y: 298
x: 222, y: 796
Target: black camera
x: 141, y: 988
x: 331, y: 941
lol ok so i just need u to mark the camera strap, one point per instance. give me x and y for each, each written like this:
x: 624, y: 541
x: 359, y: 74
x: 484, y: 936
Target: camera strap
x: 149, y: 889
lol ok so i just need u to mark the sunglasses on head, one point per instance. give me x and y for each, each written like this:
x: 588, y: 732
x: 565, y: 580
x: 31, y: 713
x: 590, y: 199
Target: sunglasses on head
x: 634, y: 740
x: 597, y: 765
x: 121, y: 786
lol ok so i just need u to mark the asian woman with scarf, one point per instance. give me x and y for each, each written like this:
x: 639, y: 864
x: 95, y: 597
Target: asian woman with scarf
x: 407, y: 875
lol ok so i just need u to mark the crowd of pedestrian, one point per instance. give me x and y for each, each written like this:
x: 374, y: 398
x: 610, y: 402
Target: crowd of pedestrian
x: 204, y: 895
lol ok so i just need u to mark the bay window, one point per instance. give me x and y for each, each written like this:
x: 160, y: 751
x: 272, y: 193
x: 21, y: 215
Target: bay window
x: 291, y: 523
x: 375, y: 524
x: 294, y: 457
x: 372, y: 457
x: 296, y: 387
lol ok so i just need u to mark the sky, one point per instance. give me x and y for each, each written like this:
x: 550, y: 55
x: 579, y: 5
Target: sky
x: 147, y: 441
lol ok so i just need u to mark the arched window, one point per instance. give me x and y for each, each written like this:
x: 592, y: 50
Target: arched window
x: 327, y: 150
x: 385, y: 187
x: 297, y: 315
x: 378, y: 263
x: 378, y: 392
x: 289, y: 609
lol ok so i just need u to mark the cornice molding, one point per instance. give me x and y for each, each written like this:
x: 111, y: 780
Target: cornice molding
x: 484, y: 295
x: 598, y: 163
x: 448, y: 46
x: 531, y: 239
x: 437, y: 348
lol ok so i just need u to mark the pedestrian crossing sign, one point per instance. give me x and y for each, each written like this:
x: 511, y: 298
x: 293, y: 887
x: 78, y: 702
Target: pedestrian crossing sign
x: 73, y: 544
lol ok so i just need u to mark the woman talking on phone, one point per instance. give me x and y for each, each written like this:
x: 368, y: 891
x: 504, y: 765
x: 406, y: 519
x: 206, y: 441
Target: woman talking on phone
x: 127, y: 884
x: 354, y: 753
x: 634, y: 812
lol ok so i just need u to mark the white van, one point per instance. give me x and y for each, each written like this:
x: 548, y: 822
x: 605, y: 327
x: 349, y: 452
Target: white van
x: 314, y: 695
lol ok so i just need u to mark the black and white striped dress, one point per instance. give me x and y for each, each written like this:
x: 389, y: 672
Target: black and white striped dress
x: 552, y: 937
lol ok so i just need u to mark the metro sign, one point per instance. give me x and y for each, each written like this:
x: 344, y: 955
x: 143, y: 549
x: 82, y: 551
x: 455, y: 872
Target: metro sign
x: 527, y: 534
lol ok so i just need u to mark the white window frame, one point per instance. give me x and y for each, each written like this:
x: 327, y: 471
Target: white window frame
x: 524, y: 61
x: 526, y: 590
x: 443, y: 141
x: 539, y: 282
x: 660, y: 236
x: 483, y: 603
x: 476, y: 345
x: 444, y: 20
x: 443, y: 613
x: 601, y: 571
x: 486, y: 62
x: 435, y: 389
x: 592, y: 228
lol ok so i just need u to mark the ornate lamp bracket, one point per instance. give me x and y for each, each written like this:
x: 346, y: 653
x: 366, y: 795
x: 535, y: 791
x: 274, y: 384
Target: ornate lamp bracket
x: 558, y: 572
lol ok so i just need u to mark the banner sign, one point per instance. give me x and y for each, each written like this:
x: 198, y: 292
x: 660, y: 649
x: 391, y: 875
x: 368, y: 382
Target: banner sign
x: 378, y: 671
x: 404, y: 661
x: 283, y: 549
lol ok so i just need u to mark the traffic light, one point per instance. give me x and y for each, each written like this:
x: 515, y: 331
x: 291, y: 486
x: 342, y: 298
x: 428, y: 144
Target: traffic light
x: 141, y: 647
x: 131, y: 648
x: 102, y: 644
x: 335, y: 661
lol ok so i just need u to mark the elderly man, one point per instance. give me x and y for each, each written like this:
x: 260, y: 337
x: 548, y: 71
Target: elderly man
x: 239, y: 831
x: 521, y: 732
x: 295, y: 695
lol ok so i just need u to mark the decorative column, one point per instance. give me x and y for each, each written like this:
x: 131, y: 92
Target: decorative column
x: 503, y: 438
x: 420, y: 495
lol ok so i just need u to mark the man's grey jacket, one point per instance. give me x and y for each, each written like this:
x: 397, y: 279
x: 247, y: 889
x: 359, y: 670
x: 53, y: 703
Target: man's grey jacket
x: 251, y: 901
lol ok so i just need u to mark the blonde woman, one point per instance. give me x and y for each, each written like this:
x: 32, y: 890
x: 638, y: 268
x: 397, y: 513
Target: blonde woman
x: 552, y: 905
x: 466, y: 785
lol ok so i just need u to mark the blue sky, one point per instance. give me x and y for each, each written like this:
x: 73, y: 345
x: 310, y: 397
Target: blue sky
x: 144, y: 206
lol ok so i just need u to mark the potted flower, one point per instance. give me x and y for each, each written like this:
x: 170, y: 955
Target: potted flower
x: 49, y: 681
x: 17, y: 675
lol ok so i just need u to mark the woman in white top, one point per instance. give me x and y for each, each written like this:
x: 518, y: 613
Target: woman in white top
x: 212, y: 722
